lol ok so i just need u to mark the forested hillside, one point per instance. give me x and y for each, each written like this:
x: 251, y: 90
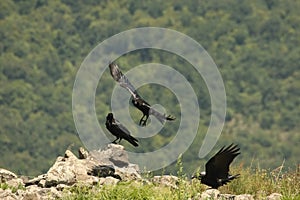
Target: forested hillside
x: 255, y: 44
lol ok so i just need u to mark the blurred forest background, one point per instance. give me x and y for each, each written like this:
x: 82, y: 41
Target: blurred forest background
x: 255, y: 44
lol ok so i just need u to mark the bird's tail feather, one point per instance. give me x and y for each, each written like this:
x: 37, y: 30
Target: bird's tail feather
x: 132, y: 140
x: 230, y: 178
x: 233, y: 177
x: 161, y: 117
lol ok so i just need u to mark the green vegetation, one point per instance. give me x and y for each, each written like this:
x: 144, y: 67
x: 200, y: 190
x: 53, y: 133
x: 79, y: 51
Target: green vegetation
x: 5, y: 186
x: 259, y: 183
x: 255, y: 44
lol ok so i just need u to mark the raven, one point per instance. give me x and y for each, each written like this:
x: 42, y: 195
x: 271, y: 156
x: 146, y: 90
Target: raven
x: 118, y: 130
x: 217, y: 168
x: 137, y: 100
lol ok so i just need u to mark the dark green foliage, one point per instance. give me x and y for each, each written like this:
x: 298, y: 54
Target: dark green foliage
x: 255, y: 44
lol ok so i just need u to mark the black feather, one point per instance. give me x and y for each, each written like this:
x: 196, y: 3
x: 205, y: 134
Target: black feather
x: 137, y: 100
x: 118, y: 130
x: 217, y: 168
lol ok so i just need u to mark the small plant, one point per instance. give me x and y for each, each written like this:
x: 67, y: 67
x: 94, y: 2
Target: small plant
x: 5, y: 186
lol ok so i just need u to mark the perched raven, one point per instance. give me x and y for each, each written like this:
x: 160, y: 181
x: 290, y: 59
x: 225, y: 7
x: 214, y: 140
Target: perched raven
x: 137, y: 100
x: 118, y: 130
x: 217, y: 168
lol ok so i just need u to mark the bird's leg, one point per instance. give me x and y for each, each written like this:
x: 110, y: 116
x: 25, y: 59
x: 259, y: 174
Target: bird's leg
x: 142, y: 121
x: 145, y: 121
x: 119, y: 140
x: 114, y: 142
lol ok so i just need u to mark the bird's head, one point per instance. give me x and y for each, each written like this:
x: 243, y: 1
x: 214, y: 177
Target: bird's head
x: 109, y: 116
x: 111, y: 64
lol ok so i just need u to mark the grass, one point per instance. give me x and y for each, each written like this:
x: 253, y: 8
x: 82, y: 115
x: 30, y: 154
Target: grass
x: 134, y: 190
x: 5, y: 186
x: 257, y: 182
x: 261, y: 183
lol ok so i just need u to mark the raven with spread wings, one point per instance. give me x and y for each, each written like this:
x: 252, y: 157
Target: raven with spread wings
x: 137, y: 100
x: 118, y: 130
x: 217, y: 168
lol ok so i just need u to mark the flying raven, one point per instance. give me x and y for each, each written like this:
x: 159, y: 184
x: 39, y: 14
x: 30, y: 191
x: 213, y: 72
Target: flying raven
x: 217, y: 168
x: 118, y: 130
x: 137, y: 100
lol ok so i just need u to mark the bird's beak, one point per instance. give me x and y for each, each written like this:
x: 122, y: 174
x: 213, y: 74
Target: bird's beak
x: 198, y: 175
x: 202, y: 174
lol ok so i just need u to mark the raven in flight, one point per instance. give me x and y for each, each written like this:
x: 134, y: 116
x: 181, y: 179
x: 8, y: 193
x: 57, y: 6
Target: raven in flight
x: 217, y: 168
x: 137, y: 100
x: 118, y: 130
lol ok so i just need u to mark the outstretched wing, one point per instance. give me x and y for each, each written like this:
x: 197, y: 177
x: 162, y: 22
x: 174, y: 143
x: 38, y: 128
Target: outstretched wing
x: 125, y: 83
x: 218, y: 165
x: 159, y: 116
x: 122, y: 79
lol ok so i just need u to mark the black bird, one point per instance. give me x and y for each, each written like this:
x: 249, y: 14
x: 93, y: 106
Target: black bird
x: 137, y: 100
x: 217, y: 168
x: 118, y: 130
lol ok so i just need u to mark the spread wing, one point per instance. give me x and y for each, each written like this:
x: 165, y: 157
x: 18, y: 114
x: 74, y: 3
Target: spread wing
x: 125, y: 83
x: 122, y: 79
x: 218, y: 165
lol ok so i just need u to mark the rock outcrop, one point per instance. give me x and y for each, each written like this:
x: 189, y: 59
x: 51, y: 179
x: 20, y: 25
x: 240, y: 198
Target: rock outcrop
x: 106, y: 166
x: 103, y: 167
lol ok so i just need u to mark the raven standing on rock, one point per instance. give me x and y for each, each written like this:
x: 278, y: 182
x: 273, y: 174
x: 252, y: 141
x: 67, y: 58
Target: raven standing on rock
x: 137, y: 100
x: 118, y: 130
x: 217, y: 168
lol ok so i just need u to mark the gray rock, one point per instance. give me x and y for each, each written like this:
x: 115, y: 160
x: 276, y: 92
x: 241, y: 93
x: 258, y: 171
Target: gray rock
x: 108, y: 181
x: 226, y: 196
x: 244, y: 197
x: 274, y: 196
x: 35, y: 180
x: 102, y: 171
x: 127, y: 173
x: 60, y: 173
x: 166, y: 180
x: 214, y: 194
x: 42, y: 183
x: 109, y: 162
x: 61, y: 187
x: 31, y: 196
x: 16, y: 182
x: 113, y: 154
x: 210, y: 194
x: 35, y: 192
x: 106, y: 167
x: 7, y: 195
x: 83, y: 154
x: 6, y: 175
x: 66, y: 170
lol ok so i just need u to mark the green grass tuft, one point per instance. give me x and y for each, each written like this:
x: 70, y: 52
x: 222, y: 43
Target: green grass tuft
x: 257, y: 182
